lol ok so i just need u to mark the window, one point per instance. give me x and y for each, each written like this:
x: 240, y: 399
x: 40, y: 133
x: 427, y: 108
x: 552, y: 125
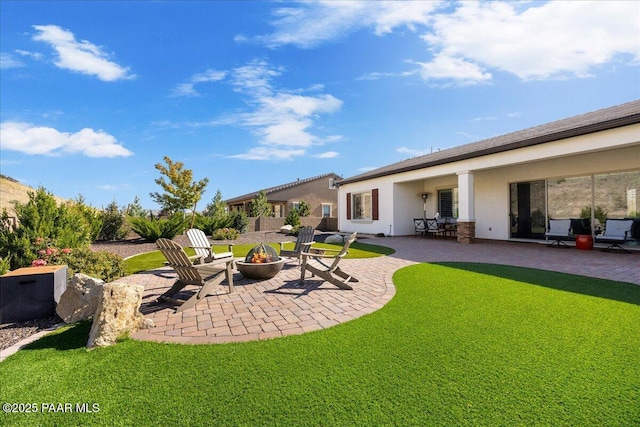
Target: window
x: 362, y: 205
x: 326, y: 210
x: 295, y: 205
x: 448, y: 203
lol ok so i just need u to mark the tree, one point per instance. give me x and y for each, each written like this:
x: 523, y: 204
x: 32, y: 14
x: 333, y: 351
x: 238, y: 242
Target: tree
x: 304, y: 209
x: 260, y: 205
x: 180, y: 192
x: 217, y: 208
x: 113, y: 223
x: 135, y: 208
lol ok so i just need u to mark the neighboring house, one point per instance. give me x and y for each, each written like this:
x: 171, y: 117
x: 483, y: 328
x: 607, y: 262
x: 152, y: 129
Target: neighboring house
x: 320, y: 192
x: 507, y: 187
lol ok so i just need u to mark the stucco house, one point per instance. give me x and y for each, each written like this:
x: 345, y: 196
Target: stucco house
x: 509, y: 186
x: 320, y: 192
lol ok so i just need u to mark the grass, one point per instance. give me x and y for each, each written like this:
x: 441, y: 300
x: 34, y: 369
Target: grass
x: 459, y: 345
x: 155, y: 259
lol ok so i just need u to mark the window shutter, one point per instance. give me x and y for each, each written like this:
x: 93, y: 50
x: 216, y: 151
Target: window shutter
x: 348, y: 205
x: 374, y: 204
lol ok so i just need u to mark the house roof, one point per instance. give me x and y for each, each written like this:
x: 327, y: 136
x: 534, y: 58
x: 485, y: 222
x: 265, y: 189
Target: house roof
x: 596, y: 121
x: 251, y: 196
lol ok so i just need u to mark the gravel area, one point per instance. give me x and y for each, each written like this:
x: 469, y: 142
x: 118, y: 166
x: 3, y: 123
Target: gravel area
x: 12, y: 333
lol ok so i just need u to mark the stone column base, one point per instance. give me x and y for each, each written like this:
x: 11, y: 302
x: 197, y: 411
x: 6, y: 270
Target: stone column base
x: 466, y: 232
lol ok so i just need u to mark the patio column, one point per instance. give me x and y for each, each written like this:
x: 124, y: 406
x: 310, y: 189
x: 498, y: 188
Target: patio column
x: 466, y: 208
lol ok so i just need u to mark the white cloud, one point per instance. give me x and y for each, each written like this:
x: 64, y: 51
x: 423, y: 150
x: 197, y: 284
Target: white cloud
x: 313, y: 23
x: 380, y: 75
x: 269, y: 153
x: 469, y: 41
x: 531, y: 40
x: 113, y: 187
x: 327, y: 155
x: 412, y: 151
x: 283, y: 120
x: 187, y: 89
x: 33, y: 55
x: 80, y: 56
x: 9, y: 61
x: 463, y: 72
x: 29, y: 139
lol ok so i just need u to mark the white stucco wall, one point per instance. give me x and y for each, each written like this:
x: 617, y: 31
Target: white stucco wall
x: 399, y: 194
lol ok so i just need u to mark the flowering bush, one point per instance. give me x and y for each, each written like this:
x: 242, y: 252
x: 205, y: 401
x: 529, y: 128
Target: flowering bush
x: 47, y: 254
x: 103, y: 265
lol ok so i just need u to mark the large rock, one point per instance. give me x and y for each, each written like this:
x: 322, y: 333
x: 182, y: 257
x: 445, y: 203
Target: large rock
x: 334, y: 238
x: 118, y: 314
x: 286, y: 229
x: 80, y: 300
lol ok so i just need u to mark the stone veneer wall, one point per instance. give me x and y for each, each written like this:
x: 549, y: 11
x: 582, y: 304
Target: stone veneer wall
x: 466, y: 232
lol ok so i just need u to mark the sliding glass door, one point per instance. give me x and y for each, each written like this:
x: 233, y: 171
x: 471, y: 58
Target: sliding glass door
x: 528, y: 209
x: 587, y: 200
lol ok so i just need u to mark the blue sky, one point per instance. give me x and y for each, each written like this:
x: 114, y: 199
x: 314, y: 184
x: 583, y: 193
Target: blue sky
x: 256, y: 94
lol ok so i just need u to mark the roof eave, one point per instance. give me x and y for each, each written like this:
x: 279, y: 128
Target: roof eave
x: 542, y: 139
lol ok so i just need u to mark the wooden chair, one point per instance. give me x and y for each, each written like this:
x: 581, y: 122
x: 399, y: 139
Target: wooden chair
x: 329, y: 272
x: 304, y: 241
x: 207, y: 276
x: 202, y: 246
x: 559, y: 230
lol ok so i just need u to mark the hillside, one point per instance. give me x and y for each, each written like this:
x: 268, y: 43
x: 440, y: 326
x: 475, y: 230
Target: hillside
x: 12, y: 191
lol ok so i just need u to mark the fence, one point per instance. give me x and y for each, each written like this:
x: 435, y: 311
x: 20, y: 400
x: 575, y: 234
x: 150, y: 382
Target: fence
x: 272, y: 223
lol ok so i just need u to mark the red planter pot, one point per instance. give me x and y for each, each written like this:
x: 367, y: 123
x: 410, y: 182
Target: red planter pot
x: 584, y: 242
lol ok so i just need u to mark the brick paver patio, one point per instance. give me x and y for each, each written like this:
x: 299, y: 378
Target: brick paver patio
x: 279, y: 307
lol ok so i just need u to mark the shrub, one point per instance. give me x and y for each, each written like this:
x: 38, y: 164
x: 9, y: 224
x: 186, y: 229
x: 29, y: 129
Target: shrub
x: 65, y: 226
x: 113, y: 223
x: 153, y: 229
x: 92, y: 216
x: 5, y: 265
x: 225, y: 234
x: 293, y: 218
x: 103, y: 265
x: 239, y: 220
x: 209, y: 224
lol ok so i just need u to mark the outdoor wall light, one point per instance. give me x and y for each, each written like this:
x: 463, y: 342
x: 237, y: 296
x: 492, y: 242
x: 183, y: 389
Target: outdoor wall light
x: 424, y: 196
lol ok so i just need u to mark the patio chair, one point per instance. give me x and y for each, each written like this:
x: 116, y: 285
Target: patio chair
x: 329, y: 272
x: 616, y: 231
x: 202, y: 246
x: 304, y: 241
x: 207, y: 276
x: 559, y: 230
x: 434, y: 228
x: 419, y: 226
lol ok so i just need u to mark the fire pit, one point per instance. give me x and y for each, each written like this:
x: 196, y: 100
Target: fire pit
x: 262, y: 262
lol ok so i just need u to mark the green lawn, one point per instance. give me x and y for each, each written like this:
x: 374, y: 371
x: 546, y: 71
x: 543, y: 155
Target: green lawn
x: 459, y: 345
x: 155, y: 259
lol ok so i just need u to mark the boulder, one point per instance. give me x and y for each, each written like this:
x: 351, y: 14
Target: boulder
x: 286, y: 229
x: 118, y: 314
x: 80, y: 300
x: 334, y: 238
